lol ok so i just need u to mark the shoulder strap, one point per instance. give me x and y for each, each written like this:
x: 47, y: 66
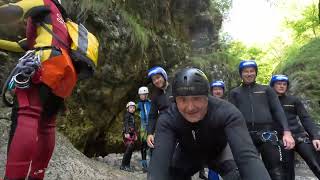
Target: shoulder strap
x: 63, y: 12
x: 53, y: 34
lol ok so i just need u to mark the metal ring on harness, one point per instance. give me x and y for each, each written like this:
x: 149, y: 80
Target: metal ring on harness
x: 21, y: 81
x: 21, y: 74
x: 267, y: 136
x: 305, y: 140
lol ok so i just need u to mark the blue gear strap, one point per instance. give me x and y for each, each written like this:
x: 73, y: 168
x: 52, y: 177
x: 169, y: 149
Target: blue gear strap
x: 212, y: 175
x: 11, y: 84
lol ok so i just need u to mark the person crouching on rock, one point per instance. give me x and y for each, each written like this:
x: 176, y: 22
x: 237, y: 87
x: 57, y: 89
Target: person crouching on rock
x: 129, y: 136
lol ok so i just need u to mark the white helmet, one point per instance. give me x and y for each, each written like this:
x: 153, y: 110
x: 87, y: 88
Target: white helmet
x: 59, y: 1
x: 131, y: 104
x: 143, y: 90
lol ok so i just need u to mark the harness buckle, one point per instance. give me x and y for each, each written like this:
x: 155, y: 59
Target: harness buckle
x: 269, y: 136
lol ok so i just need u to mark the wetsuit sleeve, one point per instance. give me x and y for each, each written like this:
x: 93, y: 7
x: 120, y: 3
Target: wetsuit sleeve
x: 152, y: 117
x: 232, y: 98
x: 164, y: 147
x: 243, y: 150
x: 17, y: 11
x: 126, y: 123
x: 276, y: 109
x: 20, y: 46
x: 306, y: 120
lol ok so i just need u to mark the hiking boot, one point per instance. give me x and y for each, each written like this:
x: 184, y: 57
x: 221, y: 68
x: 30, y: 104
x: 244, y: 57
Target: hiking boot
x: 144, y: 169
x: 126, y: 168
x: 144, y: 165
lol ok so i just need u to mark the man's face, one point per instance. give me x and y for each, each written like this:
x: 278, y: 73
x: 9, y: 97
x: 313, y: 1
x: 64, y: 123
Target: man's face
x: 280, y: 87
x: 158, y: 81
x: 248, y: 75
x: 217, y: 92
x: 143, y: 97
x: 131, y: 109
x: 192, y: 108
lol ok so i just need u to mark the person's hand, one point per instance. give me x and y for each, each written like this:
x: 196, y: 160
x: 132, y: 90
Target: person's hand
x: 150, y: 141
x: 135, y: 138
x: 316, y: 144
x: 288, y: 140
x: 127, y: 135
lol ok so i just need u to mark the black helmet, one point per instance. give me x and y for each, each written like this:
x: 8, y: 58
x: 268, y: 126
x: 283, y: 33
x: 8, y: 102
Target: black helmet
x: 189, y: 82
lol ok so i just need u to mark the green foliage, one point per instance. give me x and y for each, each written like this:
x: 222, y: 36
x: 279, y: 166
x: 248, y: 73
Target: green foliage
x: 101, y: 5
x: 307, y: 26
x: 140, y: 35
x: 240, y: 52
x: 223, y: 6
x: 288, y: 55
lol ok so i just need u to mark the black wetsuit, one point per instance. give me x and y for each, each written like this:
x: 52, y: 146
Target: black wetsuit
x: 303, y: 135
x: 159, y: 102
x: 129, y: 128
x: 262, y: 111
x: 182, y: 148
x: 259, y: 105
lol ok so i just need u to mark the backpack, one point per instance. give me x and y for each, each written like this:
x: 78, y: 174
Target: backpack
x: 84, y: 47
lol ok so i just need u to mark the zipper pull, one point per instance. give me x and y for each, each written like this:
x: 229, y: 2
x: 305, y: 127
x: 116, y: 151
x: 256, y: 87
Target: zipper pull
x: 194, y: 135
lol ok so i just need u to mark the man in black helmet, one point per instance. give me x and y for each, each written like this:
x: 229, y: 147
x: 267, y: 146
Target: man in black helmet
x: 195, y: 130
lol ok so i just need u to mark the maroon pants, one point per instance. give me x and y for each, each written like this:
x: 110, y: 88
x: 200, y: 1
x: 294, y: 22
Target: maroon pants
x: 32, y: 136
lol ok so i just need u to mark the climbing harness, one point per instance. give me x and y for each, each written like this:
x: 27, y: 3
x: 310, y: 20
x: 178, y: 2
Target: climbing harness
x: 20, y: 76
x: 303, y: 139
x: 271, y: 137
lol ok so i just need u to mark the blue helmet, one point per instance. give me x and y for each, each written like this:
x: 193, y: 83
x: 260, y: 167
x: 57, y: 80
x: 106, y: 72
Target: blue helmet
x: 157, y: 70
x: 247, y: 63
x: 217, y: 84
x: 279, y: 77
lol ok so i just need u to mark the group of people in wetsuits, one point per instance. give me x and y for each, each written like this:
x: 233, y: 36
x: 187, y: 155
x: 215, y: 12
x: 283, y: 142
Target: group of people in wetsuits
x: 191, y: 126
x: 253, y: 136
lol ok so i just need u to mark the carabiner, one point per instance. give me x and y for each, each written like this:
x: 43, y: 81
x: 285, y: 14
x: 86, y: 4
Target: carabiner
x: 21, y: 81
x: 266, y: 136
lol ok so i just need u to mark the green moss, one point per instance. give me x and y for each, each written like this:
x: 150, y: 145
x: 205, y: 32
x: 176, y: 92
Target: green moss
x: 140, y: 35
